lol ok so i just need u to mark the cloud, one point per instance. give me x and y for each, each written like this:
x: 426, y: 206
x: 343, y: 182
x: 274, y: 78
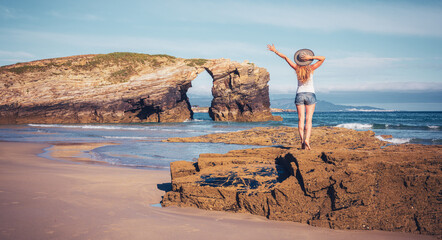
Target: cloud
x: 384, y: 86
x: 91, y: 17
x: 184, y: 47
x: 72, y: 16
x: 368, y: 68
x: 17, y: 56
x: 8, y: 13
x: 202, y: 85
x: 365, y: 87
x: 364, y: 72
x: 283, y: 88
x: 373, y: 17
x: 362, y: 62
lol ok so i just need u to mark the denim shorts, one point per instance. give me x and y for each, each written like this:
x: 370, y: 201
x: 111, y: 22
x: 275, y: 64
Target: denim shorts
x: 305, y: 98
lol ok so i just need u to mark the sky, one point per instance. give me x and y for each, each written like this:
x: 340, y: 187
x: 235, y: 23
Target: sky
x: 378, y: 53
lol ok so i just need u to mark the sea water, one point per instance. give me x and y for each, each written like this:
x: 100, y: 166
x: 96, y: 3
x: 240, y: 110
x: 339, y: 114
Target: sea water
x: 140, y: 145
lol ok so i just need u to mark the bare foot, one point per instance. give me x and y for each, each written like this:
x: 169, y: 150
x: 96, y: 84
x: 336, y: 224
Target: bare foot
x: 303, y: 146
x: 307, y: 146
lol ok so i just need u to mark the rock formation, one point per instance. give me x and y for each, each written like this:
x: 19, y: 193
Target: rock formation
x: 127, y: 88
x: 239, y: 89
x: 350, y: 180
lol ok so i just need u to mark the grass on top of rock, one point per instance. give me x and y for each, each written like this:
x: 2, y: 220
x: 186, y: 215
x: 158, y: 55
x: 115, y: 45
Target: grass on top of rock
x: 26, y: 68
x: 99, y: 60
x: 195, y: 62
x: 126, y: 58
x: 122, y: 75
x: 118, y: 57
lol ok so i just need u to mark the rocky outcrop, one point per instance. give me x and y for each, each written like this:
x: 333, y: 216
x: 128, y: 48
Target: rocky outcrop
x: 326, y: 137
x: 238, y: 90
x: 126, y: 88
x: 350, y: 180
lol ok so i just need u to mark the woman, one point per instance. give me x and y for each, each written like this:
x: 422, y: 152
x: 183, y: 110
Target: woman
x: 305, y: 95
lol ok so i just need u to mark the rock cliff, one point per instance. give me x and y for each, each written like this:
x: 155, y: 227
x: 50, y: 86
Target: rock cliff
x: 350, y: 180
x: 127, y: 88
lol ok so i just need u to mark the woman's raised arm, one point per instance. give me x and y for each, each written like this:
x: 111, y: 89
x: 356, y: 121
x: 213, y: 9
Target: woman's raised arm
x: 316, y: 64
x: 273, y: 49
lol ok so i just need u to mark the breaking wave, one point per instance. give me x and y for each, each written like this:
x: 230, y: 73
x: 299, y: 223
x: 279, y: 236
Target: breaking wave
x: 357, y: 126
x: 366, y: 126
x: 125, y: 128
x: 104, y: 127
x: 395, y: 140
x: 132, y: 138
x: 368, y: 110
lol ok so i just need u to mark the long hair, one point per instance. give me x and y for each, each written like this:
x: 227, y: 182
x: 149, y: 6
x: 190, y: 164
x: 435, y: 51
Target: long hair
x: 303, y: 73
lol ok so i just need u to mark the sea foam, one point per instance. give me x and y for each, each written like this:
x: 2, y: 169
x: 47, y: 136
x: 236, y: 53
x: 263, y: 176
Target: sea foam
x: 132, y: 137
x: 368, y: 110
x: 395, y: 140
x: 104, y: 127
x: 356, y: 126
x: 128, y: 128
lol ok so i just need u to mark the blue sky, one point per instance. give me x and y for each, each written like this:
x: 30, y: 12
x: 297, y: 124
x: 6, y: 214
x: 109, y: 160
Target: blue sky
x: 373, y: 48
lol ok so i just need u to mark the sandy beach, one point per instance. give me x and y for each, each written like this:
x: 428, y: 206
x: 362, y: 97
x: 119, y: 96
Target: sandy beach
x: 49, y: 199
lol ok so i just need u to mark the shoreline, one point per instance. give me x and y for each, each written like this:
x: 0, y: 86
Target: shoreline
x: 76, y: 152
x: 46, y: 199
x: 79, y: 152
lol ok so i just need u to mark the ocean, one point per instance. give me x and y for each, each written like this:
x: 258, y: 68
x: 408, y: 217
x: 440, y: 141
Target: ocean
x: 140, y: 146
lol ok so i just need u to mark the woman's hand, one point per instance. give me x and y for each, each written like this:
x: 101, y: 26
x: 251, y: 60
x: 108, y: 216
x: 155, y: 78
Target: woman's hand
x: 271, y: 47
x: 306, y: 57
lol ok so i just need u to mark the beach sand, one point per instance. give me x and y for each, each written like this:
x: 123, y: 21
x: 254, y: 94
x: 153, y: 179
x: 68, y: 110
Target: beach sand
x: 49, y: 199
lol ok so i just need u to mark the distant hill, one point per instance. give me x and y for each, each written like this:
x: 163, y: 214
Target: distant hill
x: 201, y: 101
x: 288, y: 103
x: 321, y: 106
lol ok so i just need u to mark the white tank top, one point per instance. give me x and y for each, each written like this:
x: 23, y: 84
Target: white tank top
x: 307, y: 86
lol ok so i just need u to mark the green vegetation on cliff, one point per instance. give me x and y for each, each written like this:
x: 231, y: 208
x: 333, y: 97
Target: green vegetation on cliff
x: 126, y: 64
x: 25, y: 68
x: 99, y: 60
x: 120, y: 66
x: 122, y: 75
x: 130, y: 58
x: 195, y: 62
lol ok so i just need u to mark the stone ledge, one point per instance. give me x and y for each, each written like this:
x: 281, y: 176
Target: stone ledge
x: 353, y: 182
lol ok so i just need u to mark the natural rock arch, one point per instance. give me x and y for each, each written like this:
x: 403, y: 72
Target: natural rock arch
x: 200, y: 93
x: 127, y: 88
x: 240, y: 91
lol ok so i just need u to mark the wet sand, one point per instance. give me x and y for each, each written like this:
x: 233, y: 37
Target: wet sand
x: 76, y: 152
x: 47, y: 199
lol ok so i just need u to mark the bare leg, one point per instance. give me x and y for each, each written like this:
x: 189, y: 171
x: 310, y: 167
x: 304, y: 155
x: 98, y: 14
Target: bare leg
x: 310, y: 109
x: 301, y: 119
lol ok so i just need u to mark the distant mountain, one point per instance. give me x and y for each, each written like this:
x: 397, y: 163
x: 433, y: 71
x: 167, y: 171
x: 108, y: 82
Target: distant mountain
x: 288, y: 103
x: 200, y: 101
x: 321, y: 106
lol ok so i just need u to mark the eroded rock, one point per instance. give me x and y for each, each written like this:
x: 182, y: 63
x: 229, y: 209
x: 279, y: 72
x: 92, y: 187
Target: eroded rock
x: 126, y: 88
x: 351, y: 182
x: 239, y: 89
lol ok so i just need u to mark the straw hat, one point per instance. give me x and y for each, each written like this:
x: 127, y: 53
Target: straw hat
x: 303, y: 52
